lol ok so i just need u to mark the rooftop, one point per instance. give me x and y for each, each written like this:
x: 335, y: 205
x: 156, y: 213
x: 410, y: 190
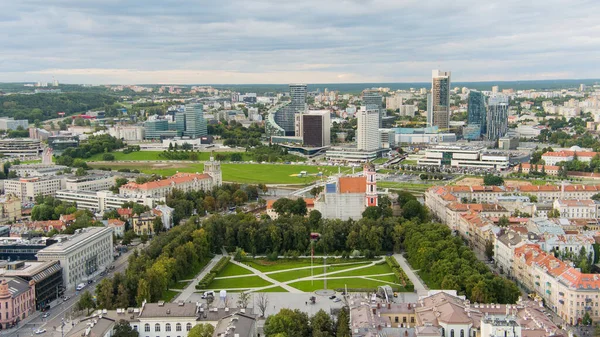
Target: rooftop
x: 176, y: 179
x: 76, y: 240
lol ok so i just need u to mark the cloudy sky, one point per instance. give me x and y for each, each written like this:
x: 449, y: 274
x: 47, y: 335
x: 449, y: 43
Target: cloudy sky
x: 283, y: 41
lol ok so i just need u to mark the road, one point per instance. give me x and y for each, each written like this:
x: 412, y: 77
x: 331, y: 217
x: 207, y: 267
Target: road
x: 63, y: 309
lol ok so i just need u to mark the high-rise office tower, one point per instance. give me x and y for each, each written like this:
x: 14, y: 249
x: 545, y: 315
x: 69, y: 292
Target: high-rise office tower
x: 180, y: 122
x: 298, y: 96
x: 476, y: 113
x: 367, y: 130
x: 440, y: 99
x: 195, y: 124
x: 373, y: 100
x: 315, y: 128
x: 497, y: 117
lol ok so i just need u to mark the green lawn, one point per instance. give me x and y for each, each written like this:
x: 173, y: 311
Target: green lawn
x: 350, y: 282
x: 408, y: 162
x: 297, y: 274
x: 194, y: 271
x: 407, y: 186
x: 386, y: 278
x: 283, y: 264
x: 244, y: 282
x: 179, y: 285
x: 240, y: 173
x: 380, y: 161
x: 153, y: 155
x: 168, y: 295
x: 233, y: 270
x: 373, y: 270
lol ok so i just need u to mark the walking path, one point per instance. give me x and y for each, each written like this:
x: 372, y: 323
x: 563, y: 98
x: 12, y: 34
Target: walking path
x: 262, y: 275
x: 420, y: 287
x: 191, y: 288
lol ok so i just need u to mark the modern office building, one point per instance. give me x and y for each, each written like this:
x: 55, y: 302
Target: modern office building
x: 82, y: 255
x: 20, y: 147
x: 9, y: 123
x: 59, y: 143
x: 195, y: 124
x: 464, y: 156
x: 298, y: 98
x: 373, y: 100
x: 476, y: 112
x: 367, y: 131
x: 156, y: 128
x: 93, y: 182
x: 440, y: 99
x: 46, y: 275
x: 387, y: 138
x: 472, y: 131
x: 100, y: 201
x: 13, y: 249
x: 497, y: 117
x: 314, y: 128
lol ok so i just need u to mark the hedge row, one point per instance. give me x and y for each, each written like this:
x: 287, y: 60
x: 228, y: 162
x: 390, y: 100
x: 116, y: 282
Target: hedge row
x: 400, y: 274
x: 220, y: 265
x: 208, y: 278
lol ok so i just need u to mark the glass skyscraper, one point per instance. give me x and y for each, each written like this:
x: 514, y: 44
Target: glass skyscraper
x: 497, y: 117
x: 440, y: 99
x: 372, y: 100
x: 476, y: 112
x: 195, y: 124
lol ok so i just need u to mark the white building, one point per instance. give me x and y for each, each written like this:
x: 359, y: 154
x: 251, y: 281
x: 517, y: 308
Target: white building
x: 28, y: 188
x: 576, y: 209
x: 387, y: 138
x: 20, y: 147
x: 553, y: 158
x: 463, y: 156
x: 100, y: 201
x: 90, y: 182
x: 36, y: 170
x: 500, y: 326
x: 82, y: 255
x: 127, y: 132
x: 9, y: 123
x: 367, y: 131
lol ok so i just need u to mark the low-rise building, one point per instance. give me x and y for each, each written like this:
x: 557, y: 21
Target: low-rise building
x: 10, y: 208
x: 47, y: 277
x: 161, y: 188
x: 28, y: 188
x: 143, y: 224
x: 101, y: 201
x: 464, y: 156
x: 20, y: 147
x: 553, y: 158
x: 9, y: 123
x: 574, y: 208
x: 18, y: 297
x: 82, y: 255
x: 36, y: 170
x: 94, y: 182
x: 117, y: 225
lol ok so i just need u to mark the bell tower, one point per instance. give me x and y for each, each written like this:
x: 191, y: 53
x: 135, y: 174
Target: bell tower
x: 371, y: 191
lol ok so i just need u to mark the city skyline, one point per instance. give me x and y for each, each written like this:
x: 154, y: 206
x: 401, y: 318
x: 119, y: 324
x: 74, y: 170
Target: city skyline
x: 269, y: 42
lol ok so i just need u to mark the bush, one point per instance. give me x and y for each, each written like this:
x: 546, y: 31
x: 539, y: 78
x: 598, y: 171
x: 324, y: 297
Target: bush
x: 206, y: 280
x: 108, y: 157
x: 220, y: 265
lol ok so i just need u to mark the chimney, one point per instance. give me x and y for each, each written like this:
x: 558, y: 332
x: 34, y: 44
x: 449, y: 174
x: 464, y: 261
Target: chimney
x: 389, y: 305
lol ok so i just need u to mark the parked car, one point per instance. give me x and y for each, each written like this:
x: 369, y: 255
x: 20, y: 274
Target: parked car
x: 332, y: 297
x: 337, y: 299
x: 46, y: 315
x: 40, y: 331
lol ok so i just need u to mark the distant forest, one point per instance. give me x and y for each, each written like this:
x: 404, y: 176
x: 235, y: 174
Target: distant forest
x: 46, y: 106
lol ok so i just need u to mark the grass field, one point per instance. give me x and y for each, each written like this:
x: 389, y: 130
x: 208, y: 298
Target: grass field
x: 169, y: 295
x: 297, y: 274
x: 240, y: 173
x: 274, y: 290
x: 242, y: 282
x: 179, y: 285
x: 282, y: 264
x: 406, y: 186
x: 154, y: 155
x: 233, y: 270
x: 373, y: 270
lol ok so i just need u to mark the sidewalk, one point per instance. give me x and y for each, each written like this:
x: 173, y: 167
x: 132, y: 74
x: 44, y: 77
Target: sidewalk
x: 420, y: 287
x: 191, y: 288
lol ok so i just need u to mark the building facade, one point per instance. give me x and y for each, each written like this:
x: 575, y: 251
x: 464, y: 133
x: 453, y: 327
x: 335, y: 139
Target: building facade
x: 372, y: 100
x: 20, y: 147
x: 161, y: 188
x: 82, y: 255
x: 315, y: 128
x: 47, y: 277
x: 476, y: 111
x: 367, y: 131
x: 90, y: 182
x: 28, y: 188
x: 18, y: 297
x: 195, y: 124
x: 497, y: 117
x: 440, y: 99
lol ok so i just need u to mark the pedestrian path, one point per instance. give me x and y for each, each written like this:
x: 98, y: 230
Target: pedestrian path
x: 420, y: 287
x: 188, y: 291
x: 267, y: 278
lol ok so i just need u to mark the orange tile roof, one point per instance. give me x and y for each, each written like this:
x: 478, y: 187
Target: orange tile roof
x: 353, y: 185
x: 125, y: 211
x: 176, y: 179
x: 569, y: 154
x: 116, y: 222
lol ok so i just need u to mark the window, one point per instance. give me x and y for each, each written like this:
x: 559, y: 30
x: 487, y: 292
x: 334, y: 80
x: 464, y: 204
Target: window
x: 178, y: 327
x: 188, y: 327
x: 168, y: 327
x: 452, y: 333
x: 396, y: 319
x: 135, y: 328
x: 147, y: 327
x: 156, y: 327
x: 462, y: 333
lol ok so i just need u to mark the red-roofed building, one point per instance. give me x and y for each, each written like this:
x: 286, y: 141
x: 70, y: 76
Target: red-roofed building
x: 553, y: 158
x: 125, y: 213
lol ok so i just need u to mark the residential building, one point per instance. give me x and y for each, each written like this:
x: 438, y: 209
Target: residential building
x: 367, y: 131
x: 407, y: 110
x: 118, y: 227
x: 46, y: 275
x: 128, y: 133
x: 10, y: 208
x: 9, y: 123
x: 20, y: 147
x: 18, y: 297
x: 574, y: 208
x: 143, y: 224
x: 28, y: 188
x: 497, y: 117
x: 36, y: 170
x: 394, y: 102
x: 476, y: 111
x: 464, y: 156
x: 504, y: 250
x: 195, y: 124
x: 82, y: 255
x: 440, y: 99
